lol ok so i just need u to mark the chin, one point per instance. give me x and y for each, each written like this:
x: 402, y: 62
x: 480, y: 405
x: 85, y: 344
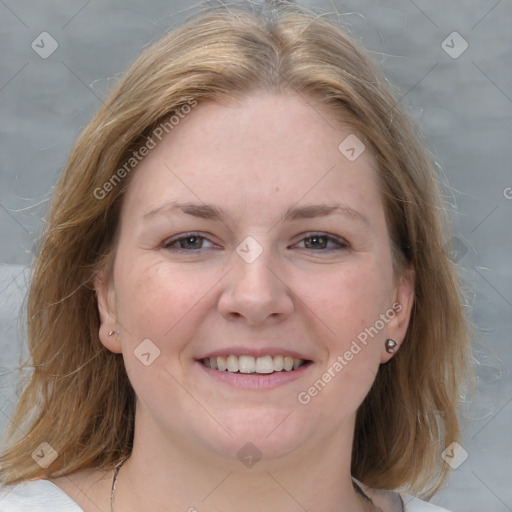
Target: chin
x: 262, y: 434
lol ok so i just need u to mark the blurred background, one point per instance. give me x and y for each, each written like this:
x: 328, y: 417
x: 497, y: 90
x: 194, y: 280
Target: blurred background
x: 452, y: 64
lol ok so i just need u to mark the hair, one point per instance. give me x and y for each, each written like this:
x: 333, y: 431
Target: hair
x: 79, y: 399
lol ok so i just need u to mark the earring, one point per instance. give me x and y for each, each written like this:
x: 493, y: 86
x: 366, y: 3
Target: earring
x: 390, y: 346
x: 111, y: 333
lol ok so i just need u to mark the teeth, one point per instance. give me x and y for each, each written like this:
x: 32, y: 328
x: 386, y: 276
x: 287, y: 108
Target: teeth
x: 232, y: 364
x: 250, y: 364
x: 221, y: 363
x: 288, y: 363
x: 246, y: 364
x: 278, y: 363
x: 264, y: 364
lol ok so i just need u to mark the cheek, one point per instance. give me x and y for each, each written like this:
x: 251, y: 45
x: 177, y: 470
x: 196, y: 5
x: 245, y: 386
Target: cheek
x: 350, y: 307
x: 153, y: 300
x: 350, y: 300
x: 159, y: 304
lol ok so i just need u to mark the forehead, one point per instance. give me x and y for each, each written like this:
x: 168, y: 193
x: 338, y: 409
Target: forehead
x: 269, y: 150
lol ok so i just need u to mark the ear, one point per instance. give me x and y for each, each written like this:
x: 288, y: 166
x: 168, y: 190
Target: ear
x: 396, y: 328
x: 105, y: 298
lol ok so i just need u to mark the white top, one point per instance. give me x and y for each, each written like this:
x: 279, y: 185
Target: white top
x: 36, y: 496
x: 44, y: 496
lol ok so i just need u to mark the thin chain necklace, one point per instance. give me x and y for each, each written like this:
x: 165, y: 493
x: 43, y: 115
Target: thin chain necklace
x: 114, y: 483
x: 118, y: 467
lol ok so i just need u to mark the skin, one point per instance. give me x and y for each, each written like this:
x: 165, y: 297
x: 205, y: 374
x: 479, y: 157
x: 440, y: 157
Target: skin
x: 254, y: 159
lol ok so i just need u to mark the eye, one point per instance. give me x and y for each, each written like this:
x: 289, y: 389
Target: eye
x: 323, y: 242
x: 187, y: 242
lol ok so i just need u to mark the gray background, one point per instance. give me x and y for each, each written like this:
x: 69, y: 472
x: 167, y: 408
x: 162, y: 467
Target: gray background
x: 463, y: 105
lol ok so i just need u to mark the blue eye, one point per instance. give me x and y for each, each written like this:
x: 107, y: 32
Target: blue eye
x: 190, y: 242
x: 187, y: 242
x: 323, y: 242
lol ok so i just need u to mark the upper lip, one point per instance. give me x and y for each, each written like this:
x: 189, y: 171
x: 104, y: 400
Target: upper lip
x: 255, y: 352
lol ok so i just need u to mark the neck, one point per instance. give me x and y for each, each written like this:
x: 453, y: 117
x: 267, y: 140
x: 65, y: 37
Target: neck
x: 163, y: 475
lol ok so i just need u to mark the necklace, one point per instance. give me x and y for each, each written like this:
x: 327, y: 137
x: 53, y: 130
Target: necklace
x: 114, y: 483
x: 118, y: 467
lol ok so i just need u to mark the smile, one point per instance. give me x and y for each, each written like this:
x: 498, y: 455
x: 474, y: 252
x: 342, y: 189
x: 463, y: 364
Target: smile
x: 253, y: 365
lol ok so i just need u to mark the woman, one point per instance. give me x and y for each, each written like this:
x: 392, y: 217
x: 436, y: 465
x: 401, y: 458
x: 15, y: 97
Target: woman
x: 242, y: 301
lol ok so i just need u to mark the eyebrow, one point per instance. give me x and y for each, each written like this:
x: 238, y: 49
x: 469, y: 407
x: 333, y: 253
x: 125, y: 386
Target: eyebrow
x: 201, y: 210
x: 211, y: 212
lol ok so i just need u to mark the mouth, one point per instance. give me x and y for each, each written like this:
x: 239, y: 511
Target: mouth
x: 250, y: 365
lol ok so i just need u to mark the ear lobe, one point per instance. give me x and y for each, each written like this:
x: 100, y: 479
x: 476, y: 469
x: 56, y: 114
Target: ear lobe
x: 404, y: 299
x: 105, y: 298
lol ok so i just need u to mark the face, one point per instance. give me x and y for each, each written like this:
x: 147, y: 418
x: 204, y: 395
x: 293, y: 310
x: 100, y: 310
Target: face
x: 248, y: 239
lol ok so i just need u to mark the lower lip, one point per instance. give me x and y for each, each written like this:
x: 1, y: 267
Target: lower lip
x: 258, y: 381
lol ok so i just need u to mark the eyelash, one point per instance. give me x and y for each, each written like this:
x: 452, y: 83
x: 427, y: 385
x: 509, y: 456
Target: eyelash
x: 341, y: 244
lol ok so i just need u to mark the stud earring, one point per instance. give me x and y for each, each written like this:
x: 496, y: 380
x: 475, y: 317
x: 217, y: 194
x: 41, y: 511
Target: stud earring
x: 111, y: 333
x: 390, y: 346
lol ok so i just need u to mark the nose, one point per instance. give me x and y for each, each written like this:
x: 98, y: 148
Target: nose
x: 256, y: 293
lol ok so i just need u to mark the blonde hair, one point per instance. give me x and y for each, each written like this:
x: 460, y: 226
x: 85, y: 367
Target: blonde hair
x: 79, y: 399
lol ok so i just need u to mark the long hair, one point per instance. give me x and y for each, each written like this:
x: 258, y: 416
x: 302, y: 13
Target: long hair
x: 79, y: 399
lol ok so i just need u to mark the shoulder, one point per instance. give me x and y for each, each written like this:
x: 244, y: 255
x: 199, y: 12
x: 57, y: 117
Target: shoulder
x: 416, y: 505
x: 35, y: 496
x: 391, y: 500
